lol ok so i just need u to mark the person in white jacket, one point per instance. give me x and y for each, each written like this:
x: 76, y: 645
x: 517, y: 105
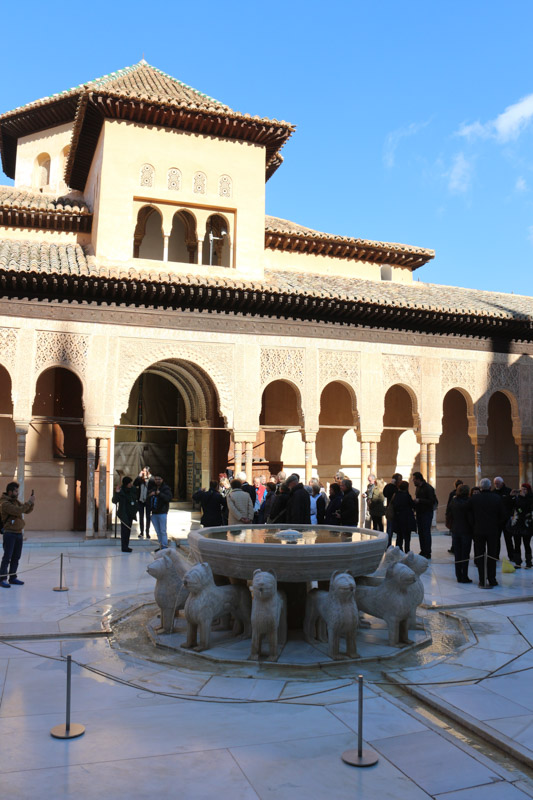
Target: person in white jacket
x: 240, y: 506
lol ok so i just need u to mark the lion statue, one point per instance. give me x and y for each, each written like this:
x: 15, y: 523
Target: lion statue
x: 269, y: 615
x: 338, y: 610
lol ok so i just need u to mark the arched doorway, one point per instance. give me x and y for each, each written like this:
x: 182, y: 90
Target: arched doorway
x: 56, y: 452
x: 148, y: 236
x: 455, y: 452
x: 398, y: 448
x: 279, y: 442
x: 500, y: 452
x: 337, y: 447
x: 183, y: 242
x: 216, y: 250
x: 173, y: 425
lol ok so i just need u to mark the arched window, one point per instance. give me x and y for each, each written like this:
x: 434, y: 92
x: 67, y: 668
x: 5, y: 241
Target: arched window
x: 199, y: 185
x: 174, y: 179
x: 216, y: 250
x: 183, y: 242
x: 41, y: 171
x: 224, y: 186
x: 148, y: 236
x: 147, y: 175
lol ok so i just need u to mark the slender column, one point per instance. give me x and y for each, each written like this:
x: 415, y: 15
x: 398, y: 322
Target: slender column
x: 22, y: 430
x: 165, y: 247
x: 206, y: 456
x: 424, y: 460
x: 102, y: 488
x: 374, y: 458
x: 89, y: 519
x: 365, y: 462
x: 309, y: 442
x: 530, y: 463
x: 191, y: 444
x: 432, y: 464
x: 199, y: 250
x: 478, y: 461
x: 249, y: 457
x: 237, y: 457
x: 522, y: 463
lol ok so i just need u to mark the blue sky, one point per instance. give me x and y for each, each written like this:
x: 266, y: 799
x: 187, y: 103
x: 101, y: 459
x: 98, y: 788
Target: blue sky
x: 414, y: 119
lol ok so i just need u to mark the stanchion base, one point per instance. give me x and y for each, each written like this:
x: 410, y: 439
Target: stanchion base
x: 60, y: 589
x: 60, y: 731
x: 367, y: 759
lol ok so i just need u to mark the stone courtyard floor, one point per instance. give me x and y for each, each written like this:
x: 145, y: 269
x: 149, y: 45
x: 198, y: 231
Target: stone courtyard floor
x: 451, y: 720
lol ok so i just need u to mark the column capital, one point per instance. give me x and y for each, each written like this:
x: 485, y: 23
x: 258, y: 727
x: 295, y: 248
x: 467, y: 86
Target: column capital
x: 94, y: 432
x: 429, y: 438
x: 369, y: 436
x: 244, y: 436
x: 310, y: 436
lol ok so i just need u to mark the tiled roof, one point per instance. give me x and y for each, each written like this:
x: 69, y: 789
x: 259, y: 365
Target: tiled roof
x: 314, y: 292
x: 141, y: 81
x: 25, y: 199
x: 24, y: 208
x: 142, y: 94
x: 282, y: 234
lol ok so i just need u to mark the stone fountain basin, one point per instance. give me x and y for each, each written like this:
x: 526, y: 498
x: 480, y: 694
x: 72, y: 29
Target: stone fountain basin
x: 237, y: 550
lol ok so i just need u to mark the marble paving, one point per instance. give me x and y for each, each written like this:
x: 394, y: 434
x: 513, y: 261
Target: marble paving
x: 200, y: 732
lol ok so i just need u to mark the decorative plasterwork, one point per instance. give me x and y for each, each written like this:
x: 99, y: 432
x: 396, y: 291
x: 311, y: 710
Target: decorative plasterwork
x: 337, y: 365
x: 8, y: 346
x: 136, y: 355
x: 282, y: 363
x: 458, y: 374
x: 402, y: 370
x: 503, y: 376
x: 56, y: 349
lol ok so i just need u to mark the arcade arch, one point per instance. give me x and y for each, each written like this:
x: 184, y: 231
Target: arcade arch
x: 183, y: 241
x: 500, y: 451
x: 172, y: 424
x: 337, y: 444
x: 279, y: 443
x: 148, y: 239
x: 398, y: 449
x: 216, y: 248
x: 455, y: 455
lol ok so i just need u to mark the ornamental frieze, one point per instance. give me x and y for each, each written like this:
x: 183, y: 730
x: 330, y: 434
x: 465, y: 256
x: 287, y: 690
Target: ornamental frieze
x: 61, y: 349
x: 282, y: 363
x: 336, y: 365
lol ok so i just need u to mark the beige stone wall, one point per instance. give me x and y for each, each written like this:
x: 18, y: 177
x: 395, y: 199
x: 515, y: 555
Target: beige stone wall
x: 324, y: 265
x: 123, y: 150
x: 52, y: 141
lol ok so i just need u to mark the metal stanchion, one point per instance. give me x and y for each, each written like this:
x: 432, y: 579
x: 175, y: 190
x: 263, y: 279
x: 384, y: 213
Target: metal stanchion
x: 68, y: 730
x: 61, y: 588
x: 360, y: 757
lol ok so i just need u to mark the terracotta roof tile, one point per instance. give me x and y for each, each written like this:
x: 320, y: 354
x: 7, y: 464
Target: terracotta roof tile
x: 26, y: 199
x: 70, y: 259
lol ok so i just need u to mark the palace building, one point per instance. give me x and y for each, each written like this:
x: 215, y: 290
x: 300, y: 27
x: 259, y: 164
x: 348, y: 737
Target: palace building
x: 152, y: 314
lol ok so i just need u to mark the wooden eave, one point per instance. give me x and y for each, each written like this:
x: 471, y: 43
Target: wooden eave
x: 346, y: 249
x: 46, y: 219
x: 95, y: 107
x: 241, y: 299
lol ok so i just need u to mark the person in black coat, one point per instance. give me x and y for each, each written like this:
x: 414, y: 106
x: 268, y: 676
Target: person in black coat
x: 278, y: 509
x: 212, y: 504
x: 349, y: 509
x: 126, y: 499
x: 522, y: 524
x: 461, y: 527
x: 403, y: 519
x: 488, y: 517
x: 299, y: 503
x: 333, y: 508
x: 504, y: 493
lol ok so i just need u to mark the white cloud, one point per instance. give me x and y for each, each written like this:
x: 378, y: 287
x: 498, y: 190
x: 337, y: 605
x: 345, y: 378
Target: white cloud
x: 460, y: 174
x: 520, y: 185
x: 506, y: 126
x: 394, y: 138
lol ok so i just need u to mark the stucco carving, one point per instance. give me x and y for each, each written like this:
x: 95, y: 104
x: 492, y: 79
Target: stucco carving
x: 147, y: 175
x: 61, y: 349
x: 278, y: 363
x: 224, y: 186
x: 338, y: 365
x: 215, y: 360
x: 503, y: 376
x: 457, y: 373
x: 402, y: 369
x: 199, y: 185
x: 174, y: 179
x: 8, y: 346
